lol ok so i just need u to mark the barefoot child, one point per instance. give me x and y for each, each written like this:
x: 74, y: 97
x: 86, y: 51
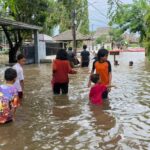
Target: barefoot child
x: 8, y: 97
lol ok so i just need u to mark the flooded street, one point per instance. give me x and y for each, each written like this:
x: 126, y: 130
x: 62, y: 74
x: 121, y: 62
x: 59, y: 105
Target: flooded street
x: 47, y: 122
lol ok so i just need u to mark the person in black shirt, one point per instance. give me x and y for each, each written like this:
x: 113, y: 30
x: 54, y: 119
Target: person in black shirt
x: 85, y: 57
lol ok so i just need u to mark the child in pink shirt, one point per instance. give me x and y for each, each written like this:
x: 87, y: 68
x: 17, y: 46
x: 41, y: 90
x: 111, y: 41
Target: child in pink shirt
x: 97, y: 90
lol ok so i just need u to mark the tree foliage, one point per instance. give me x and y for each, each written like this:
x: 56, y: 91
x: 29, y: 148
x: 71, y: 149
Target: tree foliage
x: 49, y: 13
x: 45, y: 13
x: 101, y: 40
x: 134, y: 17
x: 65, y: 9
x: 30, y: 11
x: 116, y: 34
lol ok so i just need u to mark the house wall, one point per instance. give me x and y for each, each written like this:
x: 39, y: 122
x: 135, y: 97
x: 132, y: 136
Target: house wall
x: 42, y: 49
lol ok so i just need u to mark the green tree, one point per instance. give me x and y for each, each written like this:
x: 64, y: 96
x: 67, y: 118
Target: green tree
x: 101, y: 40
x: 134, y: 17
x: 65, y: 9
x: 45, y: 13
x: 28, y: 11
x: 116, y: 37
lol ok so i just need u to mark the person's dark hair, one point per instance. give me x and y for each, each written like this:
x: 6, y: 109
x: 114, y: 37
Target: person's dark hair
x: 130, y: 63
x: 20, y: 56
x: 102, y: 53
x: 10, y: 74
x: 70, y: 48
x: 95, y: 78
x: 62, y: 54
x: 84, y: 46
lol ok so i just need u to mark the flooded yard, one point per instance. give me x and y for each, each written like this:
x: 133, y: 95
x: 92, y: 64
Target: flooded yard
x: 48, y: 122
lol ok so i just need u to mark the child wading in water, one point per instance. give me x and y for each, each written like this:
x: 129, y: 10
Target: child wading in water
x: 97, y: 90
x: 19, y: 83
x: 8, y: 97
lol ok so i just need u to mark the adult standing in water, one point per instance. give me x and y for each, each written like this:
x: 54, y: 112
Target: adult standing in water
x: 60, y: 70
x: 85, y: 57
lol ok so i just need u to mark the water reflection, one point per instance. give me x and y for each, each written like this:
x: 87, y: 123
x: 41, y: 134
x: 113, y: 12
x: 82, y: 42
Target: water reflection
x: 47, y: 122
x: 103, y: 119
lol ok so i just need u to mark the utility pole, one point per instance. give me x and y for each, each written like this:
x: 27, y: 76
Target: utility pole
x: 74, y: 31
x: 92, y: 38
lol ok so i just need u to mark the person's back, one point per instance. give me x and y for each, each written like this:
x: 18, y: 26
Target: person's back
x: 8, y: 97
x: 85, y: 57
x: 71, y: 56
x: 97, y: 90
x: 61, y: 68
x: 96, y: 93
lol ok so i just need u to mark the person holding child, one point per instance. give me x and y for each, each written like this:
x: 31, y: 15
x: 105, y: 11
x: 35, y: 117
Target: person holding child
x: 9, y: 100
x: 60, y: 70
x: 103, y: 68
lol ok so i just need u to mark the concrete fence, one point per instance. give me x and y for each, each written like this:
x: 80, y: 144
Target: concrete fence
x: 3, y: 58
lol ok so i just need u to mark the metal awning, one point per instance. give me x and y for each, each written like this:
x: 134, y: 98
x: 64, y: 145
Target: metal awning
x: 24, y: 26
x: 18, y: 25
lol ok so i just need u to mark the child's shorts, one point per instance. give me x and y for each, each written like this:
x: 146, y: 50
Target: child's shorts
x: 105, y: 94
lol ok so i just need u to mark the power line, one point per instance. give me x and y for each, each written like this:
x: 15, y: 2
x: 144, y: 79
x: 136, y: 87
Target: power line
x: 97, y: 20
x: 97, y: 10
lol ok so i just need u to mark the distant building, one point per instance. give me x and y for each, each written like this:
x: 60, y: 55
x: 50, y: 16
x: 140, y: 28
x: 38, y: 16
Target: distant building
x: 131, y: 37
x: 47, y: 48
x: 67, y: 38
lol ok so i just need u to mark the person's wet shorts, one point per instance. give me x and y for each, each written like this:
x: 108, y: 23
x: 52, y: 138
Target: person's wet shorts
x: 60, y: 87
x: 85, y: 64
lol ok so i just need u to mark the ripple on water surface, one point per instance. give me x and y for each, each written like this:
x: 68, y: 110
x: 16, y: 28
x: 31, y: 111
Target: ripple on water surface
x: 47, y: 122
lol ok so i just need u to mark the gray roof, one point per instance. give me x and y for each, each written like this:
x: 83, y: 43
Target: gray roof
x: 18, y: 25
x: 67, y: 36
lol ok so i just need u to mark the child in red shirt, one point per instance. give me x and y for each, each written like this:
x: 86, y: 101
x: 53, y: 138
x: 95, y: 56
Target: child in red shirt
x: 97, y: 90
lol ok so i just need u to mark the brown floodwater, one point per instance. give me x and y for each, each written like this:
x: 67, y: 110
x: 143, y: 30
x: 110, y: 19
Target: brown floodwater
x: 48, y: 122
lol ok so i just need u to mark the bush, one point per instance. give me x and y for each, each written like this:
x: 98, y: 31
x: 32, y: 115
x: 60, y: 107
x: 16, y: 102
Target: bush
x: 4, y: 51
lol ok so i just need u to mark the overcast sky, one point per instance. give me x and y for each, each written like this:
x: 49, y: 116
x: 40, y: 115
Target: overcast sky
x: 98, y: 13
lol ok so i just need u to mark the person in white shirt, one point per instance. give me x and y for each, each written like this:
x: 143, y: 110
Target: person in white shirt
x: 19, y: 84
